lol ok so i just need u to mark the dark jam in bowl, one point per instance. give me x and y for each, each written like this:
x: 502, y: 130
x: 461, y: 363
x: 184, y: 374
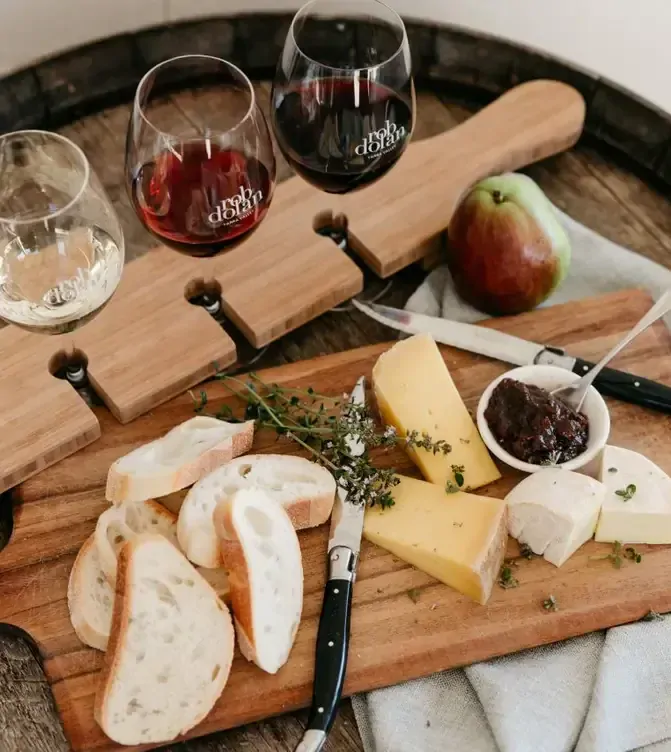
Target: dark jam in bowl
x: 532, y: 425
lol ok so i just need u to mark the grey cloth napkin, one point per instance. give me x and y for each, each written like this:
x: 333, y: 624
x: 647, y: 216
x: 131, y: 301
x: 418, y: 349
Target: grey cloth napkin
x: 604, y: 692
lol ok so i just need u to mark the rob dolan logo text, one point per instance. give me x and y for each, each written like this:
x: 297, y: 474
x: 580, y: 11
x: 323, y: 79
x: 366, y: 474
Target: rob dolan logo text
x: 235, y: 207
x: 378, y: 142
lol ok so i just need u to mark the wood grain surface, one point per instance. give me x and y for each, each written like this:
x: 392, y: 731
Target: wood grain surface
x: 56, y: 511
x: 400, y: 219
x: 282, y: 276
x: 594, y: 188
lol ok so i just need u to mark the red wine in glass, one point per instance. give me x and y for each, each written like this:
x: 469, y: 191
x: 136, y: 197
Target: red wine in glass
x: 201, y: 183
x: 341, y: 134
x: 343, y: 98
x: 201, y: 198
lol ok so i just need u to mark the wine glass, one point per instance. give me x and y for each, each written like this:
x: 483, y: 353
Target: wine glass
x: 343, y: 100
x: 200, y: 181
x: 61, y: 244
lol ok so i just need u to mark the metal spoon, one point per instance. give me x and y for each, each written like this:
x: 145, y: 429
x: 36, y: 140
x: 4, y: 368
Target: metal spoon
x: 574, y: 394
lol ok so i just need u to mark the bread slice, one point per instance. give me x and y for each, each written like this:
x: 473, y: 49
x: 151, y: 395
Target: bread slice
x: 306, y: 490
x: 170, y: 648
x: 261, y: 554
x: 180, y: 458
x: 124, y: 522
x: 90, y: 598
x: 91, y: 595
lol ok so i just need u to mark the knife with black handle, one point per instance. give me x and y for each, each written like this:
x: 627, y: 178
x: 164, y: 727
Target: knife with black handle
x: 628, y: 388
x: 334, y: 622
x: 510, y: 349
x: 332, y: 649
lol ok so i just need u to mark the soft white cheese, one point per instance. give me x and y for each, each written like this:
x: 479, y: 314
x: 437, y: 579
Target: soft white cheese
x: 646, y: 516
x: 554, y: 512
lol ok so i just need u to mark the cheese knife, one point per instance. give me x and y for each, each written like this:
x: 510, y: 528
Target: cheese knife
x: 334, y: 622
x: 509, y: 349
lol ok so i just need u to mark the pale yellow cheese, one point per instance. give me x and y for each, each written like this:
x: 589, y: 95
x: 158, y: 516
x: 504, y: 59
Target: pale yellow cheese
x: 415, y: 392
x: 459, y: 538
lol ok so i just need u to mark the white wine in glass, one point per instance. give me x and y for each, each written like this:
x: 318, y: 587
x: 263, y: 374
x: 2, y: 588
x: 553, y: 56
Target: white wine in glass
x: 61, y: 243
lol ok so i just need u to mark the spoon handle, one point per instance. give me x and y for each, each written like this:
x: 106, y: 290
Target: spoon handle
x: 621, y: 385
x: 661, y: 307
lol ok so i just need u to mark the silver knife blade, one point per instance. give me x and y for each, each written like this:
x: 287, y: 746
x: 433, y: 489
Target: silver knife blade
x: 347, y: 518
x: 477, y: 339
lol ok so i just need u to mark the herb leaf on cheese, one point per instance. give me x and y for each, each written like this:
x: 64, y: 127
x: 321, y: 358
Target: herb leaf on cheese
x: 458, y: 471
x: 626, y: 493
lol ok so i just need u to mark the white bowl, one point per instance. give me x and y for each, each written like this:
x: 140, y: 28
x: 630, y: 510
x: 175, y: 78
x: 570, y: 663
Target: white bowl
x: 549, y: 377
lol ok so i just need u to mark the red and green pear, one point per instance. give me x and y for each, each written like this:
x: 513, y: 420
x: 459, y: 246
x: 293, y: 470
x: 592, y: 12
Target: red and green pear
x: 507, y: 248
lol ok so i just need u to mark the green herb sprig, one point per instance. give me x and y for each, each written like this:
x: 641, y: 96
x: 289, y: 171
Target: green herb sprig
x: 652, y: 616
x: 506, y: 578
x: 414, y: 594
x: 329, y: 429
x: 626, y: 493
x: 620, y: 554
x: 550, y: 603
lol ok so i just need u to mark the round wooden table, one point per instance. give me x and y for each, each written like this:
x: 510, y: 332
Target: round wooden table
x: 597, y: 190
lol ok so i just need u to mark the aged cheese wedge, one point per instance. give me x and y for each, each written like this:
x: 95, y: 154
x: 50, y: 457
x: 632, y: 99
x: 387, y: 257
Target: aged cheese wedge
x: 554, y: 512
x: 415, y: 392
x: 641, y: 516
x: 459, y: 538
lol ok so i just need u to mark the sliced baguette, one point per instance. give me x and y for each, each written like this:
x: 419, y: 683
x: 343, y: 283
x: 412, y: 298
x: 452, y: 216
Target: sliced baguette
x: 306, y: 490
x: 261, y: 554
x: 90, y: 598
x: 177, y: 460
x: 126, y: 521
x: 170, y: 649
x: 91, y: 595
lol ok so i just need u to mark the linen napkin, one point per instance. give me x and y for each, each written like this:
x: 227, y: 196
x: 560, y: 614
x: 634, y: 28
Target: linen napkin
x: 603, y: 692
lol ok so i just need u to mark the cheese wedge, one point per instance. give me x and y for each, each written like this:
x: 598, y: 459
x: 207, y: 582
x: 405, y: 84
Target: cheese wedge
x: 554, y: 512
x: 459, y: 538
x: 646, y: 516
x: 415, y: 392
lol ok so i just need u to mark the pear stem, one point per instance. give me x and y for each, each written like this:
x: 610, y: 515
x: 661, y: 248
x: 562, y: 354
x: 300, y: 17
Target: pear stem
x: 497, y: 196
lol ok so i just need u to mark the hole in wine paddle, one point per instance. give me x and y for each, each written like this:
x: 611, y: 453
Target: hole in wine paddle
x: 72, y: 367
x: 332, y: 226
x: 64, y: 363
x: 206, y: 294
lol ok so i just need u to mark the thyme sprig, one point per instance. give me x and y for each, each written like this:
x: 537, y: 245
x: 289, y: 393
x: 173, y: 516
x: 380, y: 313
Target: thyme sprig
x: 337, y: 433
x: 620, y: 554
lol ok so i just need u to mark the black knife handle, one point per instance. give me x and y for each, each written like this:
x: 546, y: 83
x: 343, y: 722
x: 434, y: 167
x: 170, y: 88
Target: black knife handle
x: 628, y: 388
x: 332, y: 640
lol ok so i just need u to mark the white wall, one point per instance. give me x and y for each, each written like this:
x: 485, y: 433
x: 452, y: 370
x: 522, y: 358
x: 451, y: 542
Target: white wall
x: 626, y: 41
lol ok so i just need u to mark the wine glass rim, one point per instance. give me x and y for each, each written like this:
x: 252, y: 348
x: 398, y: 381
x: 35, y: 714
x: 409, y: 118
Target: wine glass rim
x: 391, y: 57
x: 85, y: 181
x: 169, y: 61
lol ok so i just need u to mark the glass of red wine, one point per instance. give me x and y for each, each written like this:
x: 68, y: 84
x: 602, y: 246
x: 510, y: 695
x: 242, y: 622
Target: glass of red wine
x: 343, y: 100
x: 200, y: 168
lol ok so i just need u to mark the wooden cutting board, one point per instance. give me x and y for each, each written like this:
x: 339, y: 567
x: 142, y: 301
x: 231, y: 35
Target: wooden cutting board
x: 394, y: 637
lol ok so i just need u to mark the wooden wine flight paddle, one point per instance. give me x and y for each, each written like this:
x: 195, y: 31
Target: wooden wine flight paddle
x: 150, y: 343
